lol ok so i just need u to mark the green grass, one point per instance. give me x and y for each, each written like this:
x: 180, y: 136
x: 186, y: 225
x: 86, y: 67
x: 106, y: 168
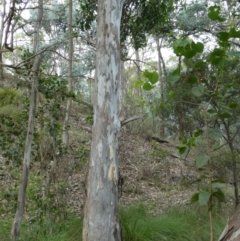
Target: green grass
x: 189, y: 223
x: 68, y: 230
x: 182, y: 224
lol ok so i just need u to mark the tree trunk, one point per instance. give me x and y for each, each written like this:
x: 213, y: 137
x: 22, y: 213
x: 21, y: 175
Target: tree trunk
x: 138, y: 74
x: 161, y: 80
x: 230, y: 140
x: 1, y: 41
x: 122, y: 92
x: 101, y: 214
x: 65, y: 137
x: 28, y: 144
x: 232, y: 230
x: 180, y: 123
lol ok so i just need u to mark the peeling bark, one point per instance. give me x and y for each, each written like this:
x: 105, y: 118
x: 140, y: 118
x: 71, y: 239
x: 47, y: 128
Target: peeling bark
x: 101, y: 215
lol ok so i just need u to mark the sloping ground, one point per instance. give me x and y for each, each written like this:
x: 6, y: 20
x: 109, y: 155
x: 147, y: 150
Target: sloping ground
x: 151, y: 173
x: 151, y: 170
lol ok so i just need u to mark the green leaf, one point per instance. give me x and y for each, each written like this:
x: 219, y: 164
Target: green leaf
x: 202, y: 160
x: 173, y: 78
x: 219, y: 180
x: 192, y: 80
x: 151, y: 76
x: 182, y: 149
x: 191, y: 141
x: 184, y: 154
x: 198, y: 132
x: 215, y: 133
x: 212, y: 111
x: 217, y: 185
x: 233, y: 105
x: 214, y: 13
x: 234, y: 53
x: 225, y: 115
x: 198, y: 90
x: 223, y: 36
x: 219, y: 195
x: 199, y: 64
x: 197, y: 47
x: 189, y: 54
x: 195, y: 197
x: 148, y: 86
x: 203, y: 198
x: 138, y: 83
x: 234, y: 34
x: 171, y: 94
x: 176, y: 72
x: 217, y: 56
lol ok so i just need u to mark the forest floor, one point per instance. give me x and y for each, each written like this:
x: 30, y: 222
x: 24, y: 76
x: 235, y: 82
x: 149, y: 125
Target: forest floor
x: 153, y: 174
x: 152, y: 171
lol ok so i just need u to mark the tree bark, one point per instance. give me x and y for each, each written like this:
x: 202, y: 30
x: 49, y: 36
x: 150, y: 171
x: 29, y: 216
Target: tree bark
x: 230, y: 140
x: 138, y: 73
x: 161, y: 80
x: 65, y: 137
x: 1, y: 42
x: 232, y: 230
x: 28, y: 144
x: 101, y: 214
x: 122, y: 89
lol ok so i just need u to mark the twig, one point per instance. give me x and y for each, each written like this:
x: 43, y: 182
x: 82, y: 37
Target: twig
x: 133, y: 166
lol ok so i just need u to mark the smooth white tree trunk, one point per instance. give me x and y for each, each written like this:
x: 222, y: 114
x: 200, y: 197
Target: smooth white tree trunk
x: 28, y: 144
x: 65, y: 137
x: 101, y: 215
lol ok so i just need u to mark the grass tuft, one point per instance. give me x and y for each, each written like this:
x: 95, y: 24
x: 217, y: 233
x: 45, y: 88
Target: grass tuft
x: 187, y: 223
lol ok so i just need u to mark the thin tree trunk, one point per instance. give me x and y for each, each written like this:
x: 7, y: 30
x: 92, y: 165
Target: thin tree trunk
x: 28, y: 144
x: 180, y: 123
x: 122, y: 88
x: 234, y: 163
x: 101, y: 214
x: 161, y: 80
x: 65, y: 137
x: 138, y: 73
x: 1, y: 42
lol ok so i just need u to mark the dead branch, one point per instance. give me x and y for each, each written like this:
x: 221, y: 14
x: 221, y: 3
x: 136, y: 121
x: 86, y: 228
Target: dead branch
x: 133, y: 118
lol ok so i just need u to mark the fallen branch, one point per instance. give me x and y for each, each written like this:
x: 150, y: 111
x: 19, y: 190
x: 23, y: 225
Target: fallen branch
x: 133, y: 118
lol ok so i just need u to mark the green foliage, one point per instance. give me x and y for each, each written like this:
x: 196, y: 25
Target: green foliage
x: 207, y: 74
x: 214, y: 13
x: 13, y: 119
x: 202, y: 160
x: 84, y: 153
x: 151, y: 78
x: 158, y: 153
x: 139, y: 18
x: 187, y: 47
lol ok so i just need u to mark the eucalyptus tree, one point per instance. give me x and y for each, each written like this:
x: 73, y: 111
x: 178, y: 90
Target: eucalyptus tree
x: 101, y: 215
x: 65, y: 137
x: 28, y: 144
